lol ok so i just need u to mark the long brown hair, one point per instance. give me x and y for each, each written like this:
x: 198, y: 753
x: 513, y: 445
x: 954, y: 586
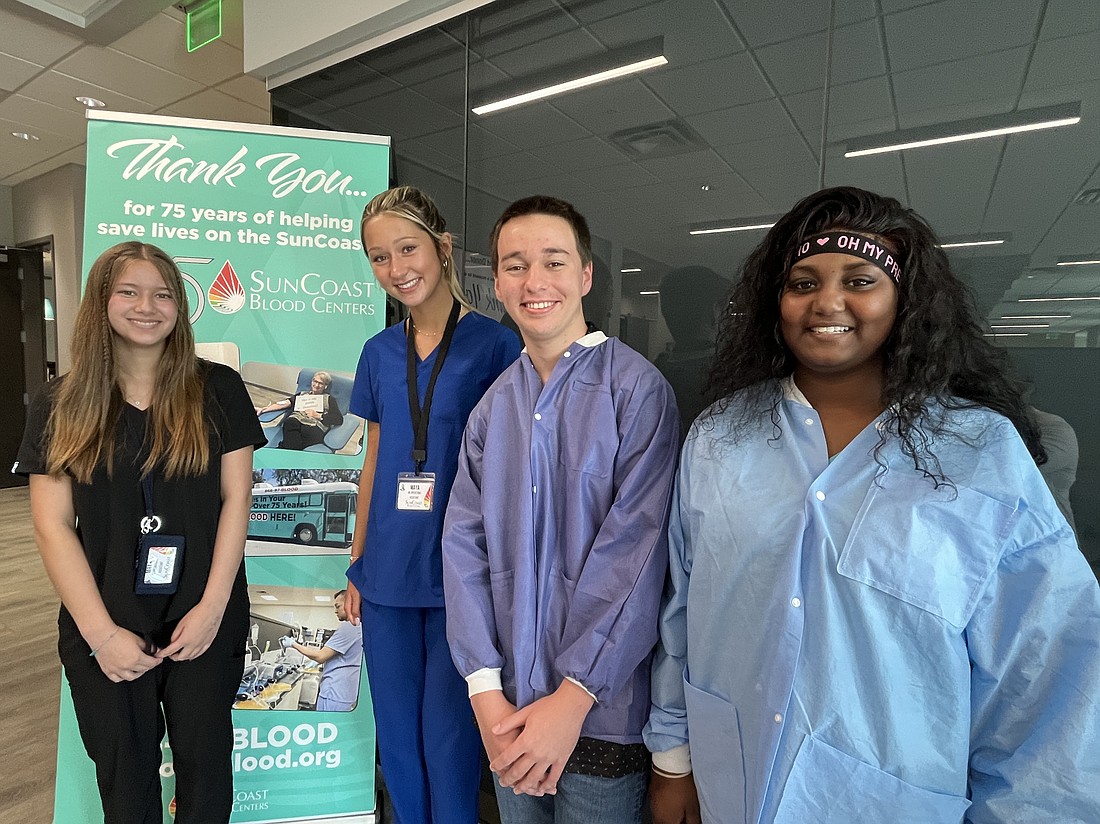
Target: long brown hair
x: 414, y: 205
x: 84, y: 419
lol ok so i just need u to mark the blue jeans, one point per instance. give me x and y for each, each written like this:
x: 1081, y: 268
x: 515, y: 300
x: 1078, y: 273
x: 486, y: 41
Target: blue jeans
x: 581, y: 799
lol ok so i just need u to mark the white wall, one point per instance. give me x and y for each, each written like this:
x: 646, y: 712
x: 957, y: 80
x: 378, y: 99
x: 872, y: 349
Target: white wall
x: 53, y: 204
x: 281, y: 43
x: 7, y: 231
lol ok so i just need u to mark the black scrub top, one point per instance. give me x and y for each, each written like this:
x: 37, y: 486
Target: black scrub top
x: 110, y: 508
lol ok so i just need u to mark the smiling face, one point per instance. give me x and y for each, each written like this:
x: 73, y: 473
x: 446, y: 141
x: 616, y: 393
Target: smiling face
x: 141, y: 309
x: 540, y: 279
x: 404, y: 258
x: 836, y: 312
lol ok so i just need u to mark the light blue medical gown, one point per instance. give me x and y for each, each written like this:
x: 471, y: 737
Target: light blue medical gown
x: 841, y: 649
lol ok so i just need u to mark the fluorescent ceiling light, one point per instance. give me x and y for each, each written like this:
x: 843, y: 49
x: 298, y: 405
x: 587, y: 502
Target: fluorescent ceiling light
x: 1006, y: 334
x: 730, y: 229
x: 267, y: 597
x: 1078, y: 263
x: 1020, y: 326
x: 322, y: 598
x: 1035, y: 317
x: 628, y: 271
x: 651, y: 292
x: 1051, y: 300
x: 581, y: 74
x: 1029, y: 120
x: 970, y: 243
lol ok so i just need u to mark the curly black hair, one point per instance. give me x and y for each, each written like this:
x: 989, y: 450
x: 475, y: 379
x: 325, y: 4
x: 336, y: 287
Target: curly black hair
x: 936, y: 350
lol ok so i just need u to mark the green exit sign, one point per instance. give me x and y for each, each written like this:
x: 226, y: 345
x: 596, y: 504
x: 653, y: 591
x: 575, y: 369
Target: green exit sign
x: 204, y: 23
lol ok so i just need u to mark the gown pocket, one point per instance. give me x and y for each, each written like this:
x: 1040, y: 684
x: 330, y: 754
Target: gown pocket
x: 934, y: 549
x: 717, y: 760
x: 827, y: 786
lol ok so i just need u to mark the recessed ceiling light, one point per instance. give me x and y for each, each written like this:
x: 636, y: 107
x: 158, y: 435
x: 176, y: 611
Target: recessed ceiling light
x: 705, y: 187
x: 650, y: 292
x: 91, y: 102
x: 1029, y: 120
x: 1078, y: 263
x: 24, y: 135
x: 628, y: 271
x: 720, y: 229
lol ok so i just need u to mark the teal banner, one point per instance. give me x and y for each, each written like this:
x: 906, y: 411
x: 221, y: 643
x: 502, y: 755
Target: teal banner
x: 264, y: 224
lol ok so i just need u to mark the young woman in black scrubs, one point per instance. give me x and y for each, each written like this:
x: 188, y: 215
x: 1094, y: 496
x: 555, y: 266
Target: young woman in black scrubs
x: 140, y: 462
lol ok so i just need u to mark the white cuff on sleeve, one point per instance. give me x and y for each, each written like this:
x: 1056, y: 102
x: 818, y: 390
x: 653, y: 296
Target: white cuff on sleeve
x: 483, y: 680
x: 583, y: 687
x: 675, y: 762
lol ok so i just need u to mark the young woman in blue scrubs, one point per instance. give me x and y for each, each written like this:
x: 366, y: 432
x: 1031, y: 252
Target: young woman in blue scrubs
x: 877, y: 611
x: 430, y: 749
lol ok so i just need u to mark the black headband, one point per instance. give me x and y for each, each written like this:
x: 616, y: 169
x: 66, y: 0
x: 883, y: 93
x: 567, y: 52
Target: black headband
x: 846, y: 243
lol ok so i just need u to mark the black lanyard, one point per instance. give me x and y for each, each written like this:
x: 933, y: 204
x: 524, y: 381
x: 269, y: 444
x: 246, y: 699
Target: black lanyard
x: 151, y: 522
x: 420, y: 416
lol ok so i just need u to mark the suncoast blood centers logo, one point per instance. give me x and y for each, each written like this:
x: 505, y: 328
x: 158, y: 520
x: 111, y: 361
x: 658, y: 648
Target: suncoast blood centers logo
x: 226, y: 293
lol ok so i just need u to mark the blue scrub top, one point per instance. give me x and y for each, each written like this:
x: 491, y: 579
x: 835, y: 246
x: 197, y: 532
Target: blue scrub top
x: 402, y: 563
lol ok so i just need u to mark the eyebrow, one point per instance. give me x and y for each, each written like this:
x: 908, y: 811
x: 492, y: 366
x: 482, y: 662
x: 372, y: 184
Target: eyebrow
x: 396, y: 240
x: 804, y: 264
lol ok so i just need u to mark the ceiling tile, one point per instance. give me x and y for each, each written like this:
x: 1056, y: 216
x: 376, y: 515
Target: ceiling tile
x: 483, y: 143
x: 1065, y: 61
x: 128, y: 75
x: 961, y: 82
x: 765, y: 21
x: 62, y: 90
x: 580, y: 155
x: 949, y: 185
x: 860, y: 102
x: 772, y: 151
x: 36, y: 115
x: 404, y: 113
x: 617, y: 178
x: 162, y: 41
x: 537, y: 56
x: 18, y: 156
x: 515, y: 26
x: 450, y: 143
x: 704, y: 165
x: 953, y: 30
x: 782, y: 186
x: 15, y: 72
x: 536, y: 124
x: 1068, y: 17
x: 33, y: 41
x: 249, y: 89
x: 742, y: 123
x: 709, y: 86
x: 210, y: 104
x: 881, y: 173
x: 1040, y: 175
x: 797, y: 65
x: 77, y: 155
x: 693, y: 30
x: 612, y: 107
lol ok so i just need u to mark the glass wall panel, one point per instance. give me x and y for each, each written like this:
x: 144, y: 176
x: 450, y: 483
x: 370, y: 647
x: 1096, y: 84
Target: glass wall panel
x: 755, y: 108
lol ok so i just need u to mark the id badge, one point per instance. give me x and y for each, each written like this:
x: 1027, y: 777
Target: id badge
x: 159, y: 564
x: 415, y: 493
